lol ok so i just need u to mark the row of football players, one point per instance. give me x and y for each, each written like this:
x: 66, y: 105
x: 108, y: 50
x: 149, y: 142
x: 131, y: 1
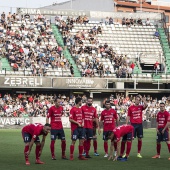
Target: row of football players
x: 84, y: 122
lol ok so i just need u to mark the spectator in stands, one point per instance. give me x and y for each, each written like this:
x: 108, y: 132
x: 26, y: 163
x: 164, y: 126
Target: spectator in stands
x: 15, y: 67
x: 123, y: 21
x: 131, y: 21
x: 88, y: 72
x: 127, y: 22
x: 156, y: 34
x: 148, y: 23
x: 110, y: 20
x: 72, y: 70
x: 139, y: 21
x: 107, y: 20
x: 129, y: 72
x: 9, y: 16
x: 156, y: 67
x: 107, y: 71
x: 124, y: 71
x: 132, y: 66
x: 99, y: 30
x: 85, y: 19
x: 100, y: 69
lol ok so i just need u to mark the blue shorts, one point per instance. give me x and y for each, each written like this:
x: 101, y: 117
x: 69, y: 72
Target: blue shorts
x: 57, y: 134
x: 27, y: 137
x: 162, y: 137
x: 128, y: 136
x: 138, y: 130
x: 106, y: 135
x: 78, y: 134
x: 88, y: 133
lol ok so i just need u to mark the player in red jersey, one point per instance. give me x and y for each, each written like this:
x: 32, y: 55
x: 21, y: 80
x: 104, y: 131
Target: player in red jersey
x: 108, y: 117
x: 163, y: 118
x: 77, y: 130
x: 126, y: 132
x: 89, y: 113
x: 54, y: 113
x: 30, y: 134
x: 135, y: 117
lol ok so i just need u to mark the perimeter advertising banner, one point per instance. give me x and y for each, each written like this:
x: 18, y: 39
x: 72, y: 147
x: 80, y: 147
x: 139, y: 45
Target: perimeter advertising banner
x: 44, y: 11
x: 25, y: 82
x: 79, y: 83
x: 91, y: 14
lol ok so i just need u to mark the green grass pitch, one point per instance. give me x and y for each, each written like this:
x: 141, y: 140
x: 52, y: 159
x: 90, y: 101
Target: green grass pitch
x: 12, y: 158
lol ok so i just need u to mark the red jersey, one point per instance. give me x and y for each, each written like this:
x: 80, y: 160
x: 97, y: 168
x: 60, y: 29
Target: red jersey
x: 89, y: 113
x: 162, y: 119
x: 108, y: 117
x: 33, y: 129
x: 135, y: 113
x: 55, y: 114
x: 122, y: 130
x: 77, y: 115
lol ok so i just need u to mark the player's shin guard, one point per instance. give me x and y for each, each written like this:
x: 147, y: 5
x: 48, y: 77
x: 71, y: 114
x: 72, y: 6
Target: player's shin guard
x: 128, y: 149
x: 37, y: 151
x: 26, y: 150
x: 80, y: 150
x: 71, y: 149
x: 87, y: 146
x: 122, y: 148
x: 95, y: 145
x: 139, y: 145
x: 106, y: 147
x: 52, y: 148
x: 158, y: 148
x: 63, y: 147
x: 168, y: 147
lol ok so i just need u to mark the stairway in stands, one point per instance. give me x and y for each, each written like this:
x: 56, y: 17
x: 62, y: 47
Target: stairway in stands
x: 166, y: 48
x: 66, y: 52
x: 5, y: 64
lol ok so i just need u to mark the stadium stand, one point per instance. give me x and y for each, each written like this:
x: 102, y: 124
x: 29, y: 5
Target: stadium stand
x: 133, y: 42
x: 82, y: 47
x: 29, y: 48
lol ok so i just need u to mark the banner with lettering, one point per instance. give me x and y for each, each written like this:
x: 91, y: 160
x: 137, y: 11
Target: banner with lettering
x: 91, y: 14
x: 79, y: 83
x: 25, y: 82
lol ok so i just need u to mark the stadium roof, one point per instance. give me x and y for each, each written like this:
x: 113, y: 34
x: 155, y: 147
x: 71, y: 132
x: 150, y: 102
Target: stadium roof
x: 85, y: 5
x: 144, y: 5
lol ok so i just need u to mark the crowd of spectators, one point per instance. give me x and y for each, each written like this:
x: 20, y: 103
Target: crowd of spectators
x: 37, y: 105
x: 121, y: 103
x: 129, y: 22
x: 89, y: 56
x: 30, y: 44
